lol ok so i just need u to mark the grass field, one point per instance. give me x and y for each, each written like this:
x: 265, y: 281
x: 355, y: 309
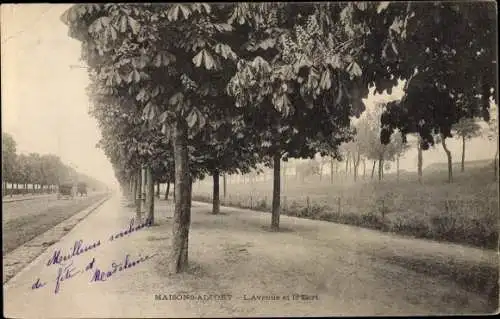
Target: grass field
x: 464, y: 212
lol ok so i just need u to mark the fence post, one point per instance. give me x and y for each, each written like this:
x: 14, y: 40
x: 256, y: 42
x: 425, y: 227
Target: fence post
x: 308, y: 205
x: 251, y: 200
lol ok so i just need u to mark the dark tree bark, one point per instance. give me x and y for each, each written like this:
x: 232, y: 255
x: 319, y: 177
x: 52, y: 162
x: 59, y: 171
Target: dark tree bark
x: 182, y: 215
x: 215, y: 194
x: 462, y: 167
x: 380, y: 163
x: 158, y: 190
x: 139, y: 194
x: 150, y: 196
x: 174, y: 190
x: 373, y: 168
x: 347, y: 164
x: 275, y: 214
x: 419, y: 160
x: 356, y: 165
x: 448, y: 155
x: 495, y: 164
x: 168, y: 190
x: 134, y: 188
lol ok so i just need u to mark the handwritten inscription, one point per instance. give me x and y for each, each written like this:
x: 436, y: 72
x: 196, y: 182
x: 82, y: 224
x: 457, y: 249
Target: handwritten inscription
x: 79, y: 247
x: 100, y: 275
x: 67, y: 271
x: 131, y: 229
x: 38, y: 284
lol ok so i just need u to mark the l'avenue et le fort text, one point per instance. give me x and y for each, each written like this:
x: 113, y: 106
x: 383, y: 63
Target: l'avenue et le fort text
x: 80, y: 247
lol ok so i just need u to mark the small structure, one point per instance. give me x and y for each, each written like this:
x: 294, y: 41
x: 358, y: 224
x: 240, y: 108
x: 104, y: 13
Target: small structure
x: 81, y: 189
x: 65, y: 191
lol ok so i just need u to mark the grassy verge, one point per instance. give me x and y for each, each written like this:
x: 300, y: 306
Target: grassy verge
x: 465, y: 212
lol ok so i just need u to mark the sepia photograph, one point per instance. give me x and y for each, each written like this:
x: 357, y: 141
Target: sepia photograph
x: 250, y: 159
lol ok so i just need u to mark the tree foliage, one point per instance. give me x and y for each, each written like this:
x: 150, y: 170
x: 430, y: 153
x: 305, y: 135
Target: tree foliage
x: 446, y: 53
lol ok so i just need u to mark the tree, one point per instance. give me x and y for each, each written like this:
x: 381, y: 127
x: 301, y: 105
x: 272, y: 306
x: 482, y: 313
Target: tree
x: 368, y: 130
x: 8, y: 158
x: 35, y: 168
x: 447, y: 77
x: 302, y: 68
x: 398, y: 148
x: 465, y: 129
x: 173, y: 81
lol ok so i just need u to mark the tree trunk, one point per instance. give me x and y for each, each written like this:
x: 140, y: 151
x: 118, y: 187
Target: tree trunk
x: 215, y: 194
x: 150, y: 196
x: 331, y: 170
x: 495, y: 164
x: 168, y: 190
x: 356, y: 166
x: 275, y: 218
x: 284, y: 173
x: 347, y: 165
x: 134, y: 188
x: 158, y: 190
x: 373, y: 168
x: 182, y: 215
x: 448, y: 155
x: 462, y: 167
x: 397, y: 166
x: 419, y: 159
x: 380, y: 168
x: 174, y: 190
x: 138, y: 208
x: 224, y: 185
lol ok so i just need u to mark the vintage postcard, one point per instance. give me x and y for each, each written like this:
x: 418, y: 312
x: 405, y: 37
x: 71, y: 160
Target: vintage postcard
x: 249, y: 159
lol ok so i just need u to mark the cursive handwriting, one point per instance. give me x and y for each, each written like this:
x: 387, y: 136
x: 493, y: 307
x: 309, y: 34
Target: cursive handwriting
x: 131, y: 228
x: 65, y: 273
x: 100, y: 275
x: 78, y: 249
x: 37, y: 284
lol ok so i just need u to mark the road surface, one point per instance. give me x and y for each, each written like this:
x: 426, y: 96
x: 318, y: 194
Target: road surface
x: 24, y: 220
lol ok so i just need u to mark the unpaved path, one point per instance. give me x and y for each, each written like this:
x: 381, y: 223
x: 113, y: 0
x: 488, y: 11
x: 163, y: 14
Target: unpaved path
x: 235, y: 254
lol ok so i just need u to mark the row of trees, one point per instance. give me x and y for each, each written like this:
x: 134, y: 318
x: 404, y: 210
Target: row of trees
x: 366, y: 144
x: 183, y: 91
x: 42, y: 172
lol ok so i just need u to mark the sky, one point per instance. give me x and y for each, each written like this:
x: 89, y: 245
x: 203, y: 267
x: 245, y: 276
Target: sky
x: 45, y: 108
x: 44, y: 105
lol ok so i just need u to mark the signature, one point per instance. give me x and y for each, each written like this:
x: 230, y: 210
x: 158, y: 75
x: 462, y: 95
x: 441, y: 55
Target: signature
x: 79, y: 247
x: 100, y: 275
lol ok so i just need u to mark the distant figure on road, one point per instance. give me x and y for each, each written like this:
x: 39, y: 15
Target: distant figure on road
x: 82, y: 189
